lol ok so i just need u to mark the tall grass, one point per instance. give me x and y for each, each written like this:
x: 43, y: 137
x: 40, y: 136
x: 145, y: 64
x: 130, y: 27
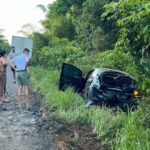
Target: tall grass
x: 133, y: 135
x: 121, y: 131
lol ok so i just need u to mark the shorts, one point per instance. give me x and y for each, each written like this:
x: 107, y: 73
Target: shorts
x: 23, y: 78
x: 2, y: 83
x: 12, y: 69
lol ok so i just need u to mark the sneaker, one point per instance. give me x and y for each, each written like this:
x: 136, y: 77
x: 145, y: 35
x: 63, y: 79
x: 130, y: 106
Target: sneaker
x: 6, y: 100
x: 19, y: 106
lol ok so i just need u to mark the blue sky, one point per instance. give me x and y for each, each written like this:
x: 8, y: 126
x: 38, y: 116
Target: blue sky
x: 15, y: 13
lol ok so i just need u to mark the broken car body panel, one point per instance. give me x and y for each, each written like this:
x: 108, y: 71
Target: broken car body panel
x: 108, y: 86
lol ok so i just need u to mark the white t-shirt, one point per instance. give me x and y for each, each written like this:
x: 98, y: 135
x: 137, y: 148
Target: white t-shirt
x: 20, y: 61
x: 12, y: 55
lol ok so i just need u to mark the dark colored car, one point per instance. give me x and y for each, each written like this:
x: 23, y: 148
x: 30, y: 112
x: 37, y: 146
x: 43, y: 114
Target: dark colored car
x: 101, y: 85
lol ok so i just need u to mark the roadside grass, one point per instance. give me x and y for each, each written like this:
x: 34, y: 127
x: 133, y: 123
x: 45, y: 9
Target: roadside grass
x: 122, y: 131
x: 134, y: 135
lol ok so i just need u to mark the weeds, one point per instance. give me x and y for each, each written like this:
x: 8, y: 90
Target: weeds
x: 121, y: 131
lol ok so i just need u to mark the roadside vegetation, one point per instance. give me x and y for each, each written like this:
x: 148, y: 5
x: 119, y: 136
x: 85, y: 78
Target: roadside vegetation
x: 96, y: 33
x: 4, y: 45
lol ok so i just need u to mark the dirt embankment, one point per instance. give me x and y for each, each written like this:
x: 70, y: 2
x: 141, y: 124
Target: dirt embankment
x: 75, y: 136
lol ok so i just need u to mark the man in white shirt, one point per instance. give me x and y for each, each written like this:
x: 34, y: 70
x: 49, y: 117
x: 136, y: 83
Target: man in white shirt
x: 12, y: 54
x: 21, y: 63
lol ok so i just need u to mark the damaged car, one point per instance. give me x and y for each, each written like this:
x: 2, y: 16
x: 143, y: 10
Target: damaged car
x: 101, y: 86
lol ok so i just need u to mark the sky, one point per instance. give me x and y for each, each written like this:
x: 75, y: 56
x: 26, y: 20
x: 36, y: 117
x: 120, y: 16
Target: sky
x: 15, y: 13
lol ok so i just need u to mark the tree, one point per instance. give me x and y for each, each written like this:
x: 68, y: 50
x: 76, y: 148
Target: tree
x: 39, y: 41
x: 28, y: 29
x: 96, y: 33
x: 3, y: 42
x: 133, y: 20
x: 43, y: 8
x: 62, y: 7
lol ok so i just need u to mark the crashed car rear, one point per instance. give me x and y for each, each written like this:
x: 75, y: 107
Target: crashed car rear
x: 101, y: 85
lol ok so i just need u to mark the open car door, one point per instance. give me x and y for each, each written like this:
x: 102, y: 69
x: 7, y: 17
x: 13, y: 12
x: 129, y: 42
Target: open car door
x: 71, y: 76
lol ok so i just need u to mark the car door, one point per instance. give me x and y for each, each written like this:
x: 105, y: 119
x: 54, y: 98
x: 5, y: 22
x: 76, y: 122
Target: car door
x: 71, y: 76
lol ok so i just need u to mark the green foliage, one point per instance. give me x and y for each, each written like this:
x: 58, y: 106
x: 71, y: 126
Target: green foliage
x: 59, y: 27
x: 61, y: 51
x: 61, y: 7
x: 109, y: 59
x: 28, y: 29
x: 133, y: 136
x: 133, y: 19
x: 39, y: 41
x: 80, y: 21
x: 4, y: 43
x: 96, y: 33
x: 65, y: 29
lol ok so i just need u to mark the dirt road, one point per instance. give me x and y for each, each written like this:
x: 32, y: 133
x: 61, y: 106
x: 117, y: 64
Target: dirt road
x: 19, y: 130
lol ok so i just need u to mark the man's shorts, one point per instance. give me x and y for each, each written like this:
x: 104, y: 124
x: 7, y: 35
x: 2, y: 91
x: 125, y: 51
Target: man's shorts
x: 23, y: 78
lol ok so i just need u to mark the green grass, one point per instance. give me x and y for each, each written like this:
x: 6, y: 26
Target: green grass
x: 119, y: 130
x: 133, y: 135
